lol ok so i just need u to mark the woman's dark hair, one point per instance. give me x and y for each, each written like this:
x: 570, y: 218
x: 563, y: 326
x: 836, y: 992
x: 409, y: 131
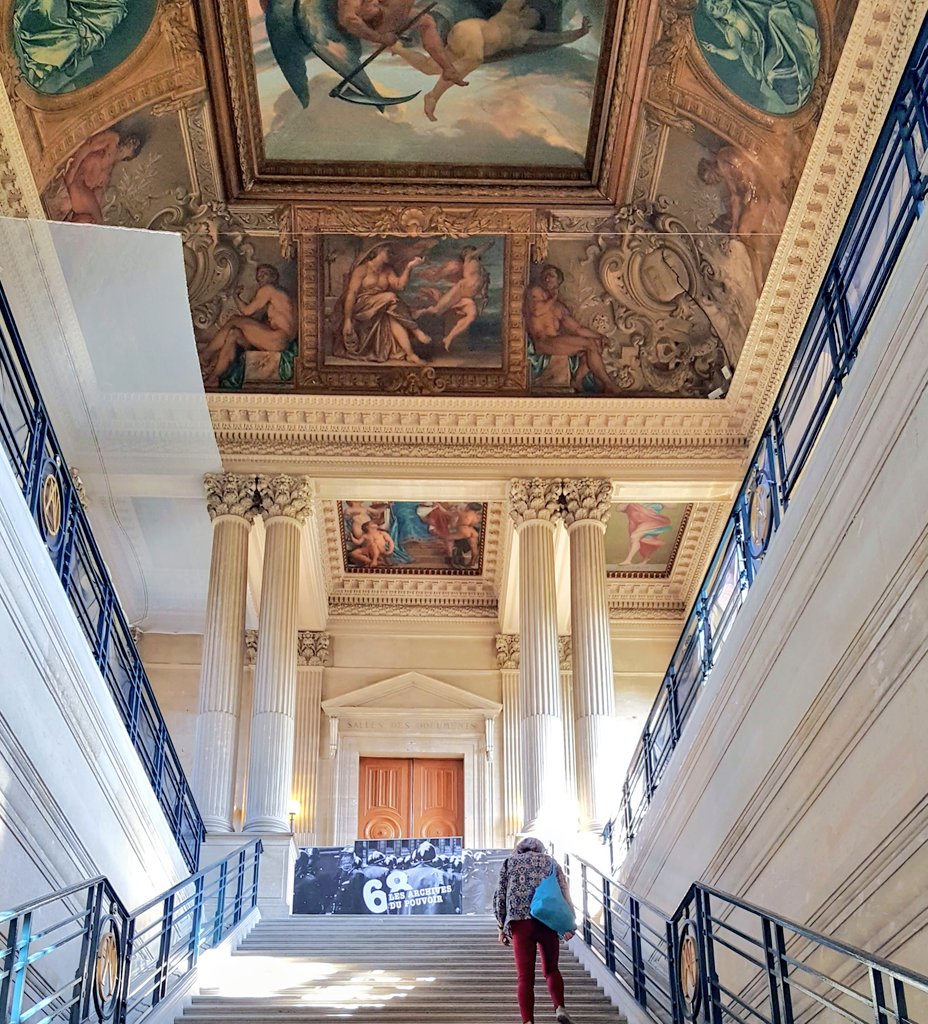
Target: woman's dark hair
x: 530, y: 845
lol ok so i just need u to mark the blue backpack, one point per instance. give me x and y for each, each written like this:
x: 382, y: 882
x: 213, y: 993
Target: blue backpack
x: 550, y: 907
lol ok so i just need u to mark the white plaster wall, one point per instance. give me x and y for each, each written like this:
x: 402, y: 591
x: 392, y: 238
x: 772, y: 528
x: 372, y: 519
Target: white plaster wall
x: 74, y: 799
x: 802, y: 780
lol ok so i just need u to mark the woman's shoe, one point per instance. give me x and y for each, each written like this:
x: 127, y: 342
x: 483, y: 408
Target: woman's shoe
x: 563, y: 1017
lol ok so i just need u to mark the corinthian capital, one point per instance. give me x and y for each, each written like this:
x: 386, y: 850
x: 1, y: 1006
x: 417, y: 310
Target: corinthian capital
x: 534, y: 499
x: 228, y: 494
x: 587, y: 499
x: 312, y: 648
x: 251, y: 646
x: 507, y: 650
x: 285, y: 495
x: 563, y: 653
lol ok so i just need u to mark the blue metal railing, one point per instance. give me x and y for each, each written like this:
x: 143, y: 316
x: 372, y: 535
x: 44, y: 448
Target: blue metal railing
x: 721, y: 960
x: 887, y: 205
x: 78, y: 954
x: 27, y: 437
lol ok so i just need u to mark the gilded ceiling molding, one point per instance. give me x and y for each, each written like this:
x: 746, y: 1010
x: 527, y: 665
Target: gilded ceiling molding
x: 876, y: 51
x: 19, y: 195
x: 507, y: 650
x: 284, y: 495
x: 312, y: 648
x: 230, y: 494
x: 534, y: 500
x: 588, y: 499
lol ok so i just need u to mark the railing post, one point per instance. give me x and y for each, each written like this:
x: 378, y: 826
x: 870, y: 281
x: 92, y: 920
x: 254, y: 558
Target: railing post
x: 239, y: 888
x: 639, y: 978
x: 104, y: 624
x: 220, y: 903
x: 80, y: 993
x: 646, y: 764
x: 673, y: 705
x: 259, y: 848
x: 18, y: 959
x: 127, y: 971
x: 627, y: 814
x: 781, y: 969
x: 196, y: 924
x: 608, y: 926
x: 673, y: 986
x: 712, y: 1001
x: 702, y: 618
x: 585, y: 904
x: 164, y: 952
x: 6, y: 984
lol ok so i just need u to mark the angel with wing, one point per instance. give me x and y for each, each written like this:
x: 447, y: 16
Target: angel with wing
x: 333, y: 30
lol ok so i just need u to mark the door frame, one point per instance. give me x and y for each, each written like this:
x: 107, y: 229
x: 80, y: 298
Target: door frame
x: 412, y: 715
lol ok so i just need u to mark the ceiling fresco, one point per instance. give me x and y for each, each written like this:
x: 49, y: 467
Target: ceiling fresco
x: 686, y: 122
x: 432, y: 538
x: 642, y: 538
x: 451, y: 83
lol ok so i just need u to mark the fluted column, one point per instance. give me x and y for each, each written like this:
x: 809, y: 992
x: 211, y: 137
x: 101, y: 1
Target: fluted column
x: 285, y: 504
x: 507, y: 658
x: 534, y: 508
x: 567, y: 700
x: 230, y: 503
x: 588, y: 507
x: 312, y: 653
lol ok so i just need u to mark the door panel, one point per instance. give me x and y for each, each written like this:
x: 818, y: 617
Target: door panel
x: 438, y: 798
x: 400, y: 797
x: 383, y: 798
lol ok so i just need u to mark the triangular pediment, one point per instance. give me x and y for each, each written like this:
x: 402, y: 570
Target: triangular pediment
x: 412, y: 691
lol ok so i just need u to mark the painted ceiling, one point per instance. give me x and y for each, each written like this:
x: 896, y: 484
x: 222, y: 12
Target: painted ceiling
x: 533, y: 198
x: 591, y: 215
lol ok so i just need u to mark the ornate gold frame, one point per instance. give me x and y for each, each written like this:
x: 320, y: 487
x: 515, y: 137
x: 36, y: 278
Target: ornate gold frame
x: 311, y: 223
x: 230, y: 71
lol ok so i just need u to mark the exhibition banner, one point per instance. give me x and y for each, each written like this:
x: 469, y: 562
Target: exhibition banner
x: 381, y: 876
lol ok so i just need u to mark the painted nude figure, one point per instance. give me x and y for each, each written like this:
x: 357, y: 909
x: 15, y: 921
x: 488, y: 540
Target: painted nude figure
x: 376, y: 325
x: 473, y: 41
x: 467, y: 296
x: 381, y: 21
x: 375, y: 544
x: 267, y: 323
x: 90, y: 171
x: 553, y: 331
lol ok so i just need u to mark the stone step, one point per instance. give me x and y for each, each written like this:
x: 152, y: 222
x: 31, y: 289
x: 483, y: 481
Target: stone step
x: 384, y: 971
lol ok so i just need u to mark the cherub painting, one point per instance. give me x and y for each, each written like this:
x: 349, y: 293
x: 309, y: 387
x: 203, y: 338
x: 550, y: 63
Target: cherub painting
x: 434, y: 537
x: 413, y: 301
x: 437, y: 81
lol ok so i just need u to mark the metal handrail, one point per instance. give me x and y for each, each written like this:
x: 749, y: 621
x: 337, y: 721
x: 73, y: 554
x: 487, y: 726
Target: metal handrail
x: 876, y: 230
x: 104, y: 969
x: 38, y: 463
x: 702, y: 962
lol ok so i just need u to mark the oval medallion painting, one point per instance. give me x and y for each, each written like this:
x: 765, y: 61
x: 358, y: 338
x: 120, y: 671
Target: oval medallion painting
x: 766, y: 51
x: 61, y: 46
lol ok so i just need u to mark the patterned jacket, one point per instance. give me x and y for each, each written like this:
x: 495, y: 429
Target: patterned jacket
x: 519, y: 877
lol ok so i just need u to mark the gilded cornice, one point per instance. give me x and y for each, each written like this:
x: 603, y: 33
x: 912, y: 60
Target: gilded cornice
x: 19, y: 196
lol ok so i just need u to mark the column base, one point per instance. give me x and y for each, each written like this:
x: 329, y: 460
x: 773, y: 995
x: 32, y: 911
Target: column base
x: 217, y: 826
x: 275, y: 878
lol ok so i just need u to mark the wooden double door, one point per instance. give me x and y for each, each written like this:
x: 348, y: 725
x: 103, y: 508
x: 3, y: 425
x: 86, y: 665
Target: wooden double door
x: 409, y: 796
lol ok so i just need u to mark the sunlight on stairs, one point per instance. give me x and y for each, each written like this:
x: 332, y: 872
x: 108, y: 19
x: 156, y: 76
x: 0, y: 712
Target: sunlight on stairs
x: 403, y: 970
